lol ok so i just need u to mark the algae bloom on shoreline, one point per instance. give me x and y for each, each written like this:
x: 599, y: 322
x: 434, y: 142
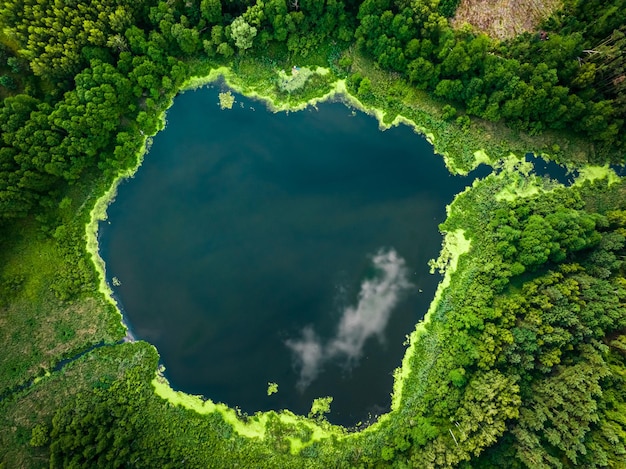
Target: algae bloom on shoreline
x: 266, y: 205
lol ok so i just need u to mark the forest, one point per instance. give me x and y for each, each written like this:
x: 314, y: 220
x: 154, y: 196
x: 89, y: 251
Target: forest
x: 522, y: 359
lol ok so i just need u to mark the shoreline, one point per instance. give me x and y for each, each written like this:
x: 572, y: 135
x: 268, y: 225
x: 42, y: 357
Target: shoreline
x: 338, y: 91
x: 98, y: 214
x: 454, y: 245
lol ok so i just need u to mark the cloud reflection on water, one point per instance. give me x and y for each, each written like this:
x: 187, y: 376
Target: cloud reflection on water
x: 369, y: 317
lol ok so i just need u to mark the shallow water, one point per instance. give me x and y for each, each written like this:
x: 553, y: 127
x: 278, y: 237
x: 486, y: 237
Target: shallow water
x: 246, y: 249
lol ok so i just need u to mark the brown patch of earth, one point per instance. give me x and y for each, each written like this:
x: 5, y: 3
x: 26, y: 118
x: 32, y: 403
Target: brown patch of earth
x: 504, y: 19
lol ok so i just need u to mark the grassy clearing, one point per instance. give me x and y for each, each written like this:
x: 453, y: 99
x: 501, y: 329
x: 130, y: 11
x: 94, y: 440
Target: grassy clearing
x: 36, y: 328
x: 504, y: 19
x: 37, y: 404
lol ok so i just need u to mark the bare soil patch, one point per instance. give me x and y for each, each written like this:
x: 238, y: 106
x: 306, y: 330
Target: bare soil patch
x: 503, y: 19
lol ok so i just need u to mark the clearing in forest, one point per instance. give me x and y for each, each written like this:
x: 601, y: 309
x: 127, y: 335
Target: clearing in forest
x: 503, y: 19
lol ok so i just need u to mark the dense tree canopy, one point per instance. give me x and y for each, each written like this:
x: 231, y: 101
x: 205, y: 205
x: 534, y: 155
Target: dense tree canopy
x: 522, y: 363
x: 557, y: 80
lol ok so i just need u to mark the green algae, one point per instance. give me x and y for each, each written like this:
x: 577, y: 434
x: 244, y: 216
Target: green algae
x: 454, y: 245
x: 272, y: 388
x: 256, y: 426
x: 592, y: 173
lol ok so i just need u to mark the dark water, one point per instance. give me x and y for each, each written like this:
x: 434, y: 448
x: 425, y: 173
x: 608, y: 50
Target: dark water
x: 551, y: 170
x: 242, y: 228
x: 620, y: 170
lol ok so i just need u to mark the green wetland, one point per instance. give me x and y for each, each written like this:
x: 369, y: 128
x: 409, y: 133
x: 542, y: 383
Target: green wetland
x: 278, y: 261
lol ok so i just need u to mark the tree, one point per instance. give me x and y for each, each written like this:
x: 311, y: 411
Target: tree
x: 7, y: 81
x: 211, y: 10
x: 51, y: 35
x: 449, y: 112
x: 561, y: 410
x: 421, y: 72
x: 188, y: 39
x: 449, y: 89
x: 225, y: 49
x: 242, y: 33
x: 365, y: 87
x: 14, y: 64
x: 40, y: 435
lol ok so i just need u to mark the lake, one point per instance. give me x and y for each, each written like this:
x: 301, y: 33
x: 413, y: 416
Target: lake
x: 253, y: 247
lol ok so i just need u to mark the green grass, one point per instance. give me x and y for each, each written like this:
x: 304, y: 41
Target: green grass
x: 36, y: 328
x: 37, y: 404
x: 49, y: 307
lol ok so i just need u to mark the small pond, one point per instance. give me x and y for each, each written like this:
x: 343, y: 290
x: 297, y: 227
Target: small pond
x: 292, y: 248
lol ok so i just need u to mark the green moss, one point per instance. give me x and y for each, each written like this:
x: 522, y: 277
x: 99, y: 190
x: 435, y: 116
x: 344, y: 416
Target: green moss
x: 320, y: 406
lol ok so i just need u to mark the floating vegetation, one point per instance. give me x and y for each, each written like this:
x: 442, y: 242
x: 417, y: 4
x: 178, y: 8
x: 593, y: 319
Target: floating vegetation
x: 272, y: 388
x: 226, y: 100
